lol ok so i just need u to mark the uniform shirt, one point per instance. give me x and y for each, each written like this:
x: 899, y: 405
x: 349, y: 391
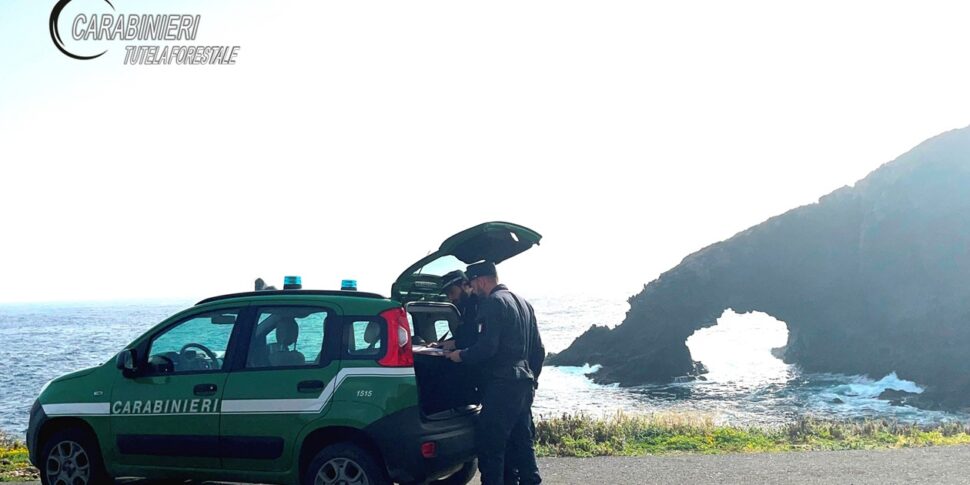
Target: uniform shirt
x: 509, y: 346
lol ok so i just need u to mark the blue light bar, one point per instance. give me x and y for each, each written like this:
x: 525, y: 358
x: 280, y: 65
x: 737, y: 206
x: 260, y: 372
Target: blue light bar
x: 348, y: 285
x: 292, y: 283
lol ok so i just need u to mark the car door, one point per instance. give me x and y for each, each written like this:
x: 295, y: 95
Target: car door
x: 284, y: 383
x: 166, y: 413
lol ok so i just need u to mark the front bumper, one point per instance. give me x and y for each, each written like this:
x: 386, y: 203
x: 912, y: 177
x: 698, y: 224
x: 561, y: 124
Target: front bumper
x: 37, y: 419
x: 400, y: 436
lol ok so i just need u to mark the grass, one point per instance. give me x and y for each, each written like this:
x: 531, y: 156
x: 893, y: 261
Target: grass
x: 14, y: 466
x: 630, y: 435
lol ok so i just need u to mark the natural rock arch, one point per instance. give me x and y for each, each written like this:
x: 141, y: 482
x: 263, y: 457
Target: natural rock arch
x: 738, y: 341
x: 871, y: 279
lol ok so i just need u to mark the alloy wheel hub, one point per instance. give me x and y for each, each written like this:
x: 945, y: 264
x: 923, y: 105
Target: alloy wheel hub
x: 68, y: 464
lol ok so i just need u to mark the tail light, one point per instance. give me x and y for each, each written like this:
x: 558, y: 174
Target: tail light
x: 429, y: 449
x: 399, y: 352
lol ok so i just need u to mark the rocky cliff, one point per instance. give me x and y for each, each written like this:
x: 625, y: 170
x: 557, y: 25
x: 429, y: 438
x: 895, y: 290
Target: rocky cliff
x: 871, y: 279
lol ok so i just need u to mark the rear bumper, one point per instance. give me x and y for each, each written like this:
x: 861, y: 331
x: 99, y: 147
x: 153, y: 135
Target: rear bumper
x: 400, y: 436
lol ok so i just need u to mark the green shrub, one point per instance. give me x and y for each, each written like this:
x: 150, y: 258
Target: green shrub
x: 630, y: 434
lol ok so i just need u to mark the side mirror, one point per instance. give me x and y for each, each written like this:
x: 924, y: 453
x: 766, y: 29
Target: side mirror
x: 126, y: 361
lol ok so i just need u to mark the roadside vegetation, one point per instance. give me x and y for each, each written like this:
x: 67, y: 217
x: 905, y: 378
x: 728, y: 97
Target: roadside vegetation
x: 623, y: 434
x: 14, y: 466
x: 628, y: 435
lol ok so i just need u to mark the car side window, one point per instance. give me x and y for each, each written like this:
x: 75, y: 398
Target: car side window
x: 196, y: 344
x: 287, y: 336
x: 364, y: 338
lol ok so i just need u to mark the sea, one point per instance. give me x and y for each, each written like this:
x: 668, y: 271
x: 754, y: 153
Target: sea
x: 746, y: 384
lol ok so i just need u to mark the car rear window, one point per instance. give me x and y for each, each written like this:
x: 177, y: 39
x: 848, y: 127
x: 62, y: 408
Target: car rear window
x: 365, y: 338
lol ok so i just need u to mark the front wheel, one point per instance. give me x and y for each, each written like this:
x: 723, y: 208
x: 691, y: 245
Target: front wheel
x: 71, y: 457
x: 344, y: 464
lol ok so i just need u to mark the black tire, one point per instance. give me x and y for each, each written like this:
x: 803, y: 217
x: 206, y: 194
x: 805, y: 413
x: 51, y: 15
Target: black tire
x: 462, y: 476
x: 348, y: 461
x: 71, y: 456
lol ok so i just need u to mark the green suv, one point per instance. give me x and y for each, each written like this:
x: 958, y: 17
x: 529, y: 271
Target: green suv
x: 280, y: 386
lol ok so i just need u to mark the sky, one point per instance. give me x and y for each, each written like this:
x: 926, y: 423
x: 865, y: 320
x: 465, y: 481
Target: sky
x: 351, y: 138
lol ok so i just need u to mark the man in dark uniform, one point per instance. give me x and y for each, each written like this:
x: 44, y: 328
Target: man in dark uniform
x: 459, y: 291
x: 465, y: 380
x: 509, y: 352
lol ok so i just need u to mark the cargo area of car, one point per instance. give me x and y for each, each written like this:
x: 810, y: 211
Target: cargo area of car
x: 445, y: 389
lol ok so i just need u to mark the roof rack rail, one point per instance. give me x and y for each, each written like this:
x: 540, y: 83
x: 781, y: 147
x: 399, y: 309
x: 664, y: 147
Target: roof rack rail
x: 358, y: 294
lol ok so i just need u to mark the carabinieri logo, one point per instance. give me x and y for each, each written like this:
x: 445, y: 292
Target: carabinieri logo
x: 56, y: 33
x: 94, y: 27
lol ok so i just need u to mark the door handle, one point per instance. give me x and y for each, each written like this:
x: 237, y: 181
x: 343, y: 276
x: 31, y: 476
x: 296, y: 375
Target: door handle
x: 205, y: 389
x: 310, y: 386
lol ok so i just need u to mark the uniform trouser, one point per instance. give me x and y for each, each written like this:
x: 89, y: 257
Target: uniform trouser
x: 505, y: 425
x: 513, y: 454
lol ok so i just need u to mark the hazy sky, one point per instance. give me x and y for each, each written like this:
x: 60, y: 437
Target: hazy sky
x: 352, y: 137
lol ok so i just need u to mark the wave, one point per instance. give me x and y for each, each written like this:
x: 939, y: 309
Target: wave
x: 865, y: 387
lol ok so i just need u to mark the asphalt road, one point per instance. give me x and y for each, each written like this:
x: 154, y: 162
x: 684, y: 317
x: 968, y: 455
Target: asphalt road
x: 942, y: 465
x: 925, y: 465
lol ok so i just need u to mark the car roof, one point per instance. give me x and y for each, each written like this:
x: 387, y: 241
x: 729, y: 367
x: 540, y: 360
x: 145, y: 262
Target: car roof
x: 294, y: 293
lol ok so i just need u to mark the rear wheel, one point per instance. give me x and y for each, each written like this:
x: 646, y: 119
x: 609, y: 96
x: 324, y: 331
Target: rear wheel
x: 462, y: 476
x: 71, y: 457
x: 344, y: 464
